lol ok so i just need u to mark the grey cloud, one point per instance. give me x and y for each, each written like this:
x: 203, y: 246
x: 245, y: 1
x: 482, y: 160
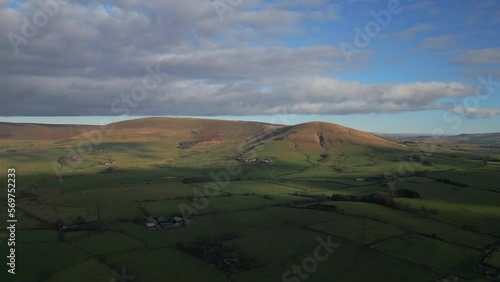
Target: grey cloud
x: 476, y: 112
x: 180, y: 96
x: 85, y: 59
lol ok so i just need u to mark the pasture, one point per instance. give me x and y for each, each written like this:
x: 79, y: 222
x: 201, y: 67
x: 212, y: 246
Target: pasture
x: 271, y: 214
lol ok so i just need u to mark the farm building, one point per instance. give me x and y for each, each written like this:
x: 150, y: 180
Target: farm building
x: 165, y: 222
x: 151, y: 222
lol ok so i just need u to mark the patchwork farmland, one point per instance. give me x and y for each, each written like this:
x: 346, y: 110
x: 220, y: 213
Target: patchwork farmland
x: 256, y: 200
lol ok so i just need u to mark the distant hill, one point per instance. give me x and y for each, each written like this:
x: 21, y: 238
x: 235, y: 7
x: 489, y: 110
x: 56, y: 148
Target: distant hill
x: 471, y: 138
x: 323, y: 136
x: 38, y: 132
x: 314, y: 136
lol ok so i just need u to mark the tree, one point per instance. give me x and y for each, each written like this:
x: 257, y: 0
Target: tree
x: 79, y: 220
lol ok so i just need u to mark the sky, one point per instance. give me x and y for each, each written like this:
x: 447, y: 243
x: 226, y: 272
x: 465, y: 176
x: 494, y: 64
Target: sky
x: 387, y: 66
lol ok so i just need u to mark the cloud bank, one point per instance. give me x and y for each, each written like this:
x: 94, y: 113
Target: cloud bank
x: 88, y: 56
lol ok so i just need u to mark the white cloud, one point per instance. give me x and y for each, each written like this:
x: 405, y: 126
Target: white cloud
x: 439, y: 42
x: 476, y: 112
x: 490, y: 56
x: 413, y: 31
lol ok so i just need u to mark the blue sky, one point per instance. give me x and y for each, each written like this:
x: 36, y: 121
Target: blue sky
x: 421, y: 65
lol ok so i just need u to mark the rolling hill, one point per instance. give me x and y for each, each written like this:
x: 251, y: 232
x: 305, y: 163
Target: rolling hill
x: 262, y: 192
x: 311, y: 136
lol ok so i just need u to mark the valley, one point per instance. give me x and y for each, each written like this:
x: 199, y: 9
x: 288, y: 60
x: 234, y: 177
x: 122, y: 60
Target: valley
x: 256, y: 198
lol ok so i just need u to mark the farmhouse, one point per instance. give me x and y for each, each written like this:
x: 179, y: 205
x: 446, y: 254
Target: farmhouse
x: 151, y: 222
x: 484, y: 269
x: 232, y: 261
x: 490, y: 250
x: 254, y: 160
x: 246, y: 160
x: 165, y: 222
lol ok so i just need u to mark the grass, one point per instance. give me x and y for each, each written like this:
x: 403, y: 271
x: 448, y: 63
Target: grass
x: 476, y: 178
x: 113, y: 212
x: 441, y: 233
x: 90, y: 270
x: 31, y: 267
x: 362, y: 231
x: 439, y: 256
x: 240, y: 222
x: 481, y: 218
x: 494, y: 259
x: 127, y: 193
x: 353, y: 229
x: 109, y: 242
x: 36, y: 236
x: 174, y: 265
x: 417, y: 223
x: 244, y: 187
x: 371, y: 265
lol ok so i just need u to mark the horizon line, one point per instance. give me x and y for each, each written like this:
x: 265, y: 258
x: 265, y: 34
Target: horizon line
x: 105, y: 120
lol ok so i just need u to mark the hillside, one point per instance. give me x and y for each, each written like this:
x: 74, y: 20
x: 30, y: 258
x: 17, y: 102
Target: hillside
x: 188, y: 129
x: 189, y: 142
x: 308, y: 136
x: 323, y: 136
x: 253, y: 193
x: 32, y: 131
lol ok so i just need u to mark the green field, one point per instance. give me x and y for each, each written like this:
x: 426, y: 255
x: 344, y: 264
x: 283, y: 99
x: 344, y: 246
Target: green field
x: 257, y: 219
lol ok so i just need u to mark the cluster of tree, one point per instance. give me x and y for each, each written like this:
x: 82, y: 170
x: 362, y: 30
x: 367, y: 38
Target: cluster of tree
x: 448, y: 181
x: 427, y: 211
x: 110, y: 169
x: 427, y: 163
x: 80, y: 224
x: 199, y: 179
x: 66, y: 161
x: 267, y: 197
x: 406, y: 193
x: 227, y: 259
x: 317, y: 197
x: 26, y: 194
x: 323, y: 207
x: 411, y: 158
x: 490, y: 146
x: 470, y: 227
x: 389, y: 177
x: 415, y: 158
x: 384, y: 198
x: 187, y: 144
